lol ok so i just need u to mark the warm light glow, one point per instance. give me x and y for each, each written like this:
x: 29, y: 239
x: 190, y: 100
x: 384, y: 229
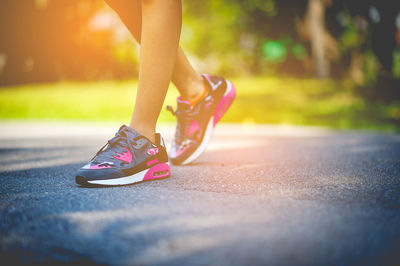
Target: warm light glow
x: 41, y: 4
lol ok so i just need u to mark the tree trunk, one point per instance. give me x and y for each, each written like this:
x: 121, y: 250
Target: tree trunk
x: 315, y: 21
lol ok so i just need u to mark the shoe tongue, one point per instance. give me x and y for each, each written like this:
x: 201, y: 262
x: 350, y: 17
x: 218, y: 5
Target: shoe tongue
x: 183, y: 105
x: 132, y: 133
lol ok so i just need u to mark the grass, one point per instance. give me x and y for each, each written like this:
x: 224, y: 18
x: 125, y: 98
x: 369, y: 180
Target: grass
x: 259, y: 100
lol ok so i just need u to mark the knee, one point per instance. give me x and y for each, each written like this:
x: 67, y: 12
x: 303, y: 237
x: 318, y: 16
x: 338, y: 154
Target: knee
x: 150, y: 2
x: 114, y: 4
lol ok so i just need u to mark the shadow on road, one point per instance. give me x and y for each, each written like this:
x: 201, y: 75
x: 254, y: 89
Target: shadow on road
x: 330, y: 199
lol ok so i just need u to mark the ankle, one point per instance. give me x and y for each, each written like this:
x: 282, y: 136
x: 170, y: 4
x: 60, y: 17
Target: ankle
x: 146, y: 131
x: 194, y: 89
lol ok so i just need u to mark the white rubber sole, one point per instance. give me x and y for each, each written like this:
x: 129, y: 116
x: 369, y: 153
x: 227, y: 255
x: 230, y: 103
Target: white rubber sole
x: 207, y: 134
x: 127, y: 180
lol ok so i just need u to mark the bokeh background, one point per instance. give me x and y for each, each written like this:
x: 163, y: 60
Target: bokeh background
x: 333, y: 63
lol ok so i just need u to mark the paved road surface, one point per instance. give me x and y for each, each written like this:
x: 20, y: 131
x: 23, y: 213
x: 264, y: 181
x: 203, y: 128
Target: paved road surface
x: 259, y: 195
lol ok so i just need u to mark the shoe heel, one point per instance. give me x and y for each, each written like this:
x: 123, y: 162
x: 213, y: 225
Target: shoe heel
x: 161, y: 170
x: 225, y: 102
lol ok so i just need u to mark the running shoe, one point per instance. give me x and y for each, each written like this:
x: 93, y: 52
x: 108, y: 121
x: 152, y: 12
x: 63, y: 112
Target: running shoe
x: 127, y: 158
x: 196, y: 123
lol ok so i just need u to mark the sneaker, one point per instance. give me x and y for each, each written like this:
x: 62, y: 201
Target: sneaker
x: 127, y: 158
x: 196, y: 123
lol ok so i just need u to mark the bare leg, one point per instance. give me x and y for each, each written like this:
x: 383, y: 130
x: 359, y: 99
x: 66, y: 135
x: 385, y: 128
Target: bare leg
x: 186, y: 79
x: 161, y: 27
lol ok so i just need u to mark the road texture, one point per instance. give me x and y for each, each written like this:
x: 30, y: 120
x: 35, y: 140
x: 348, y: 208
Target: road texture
x: 259, y: 195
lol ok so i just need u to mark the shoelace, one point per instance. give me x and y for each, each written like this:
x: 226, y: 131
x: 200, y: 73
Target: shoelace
x: 184, y: 119
x: 121, y: 139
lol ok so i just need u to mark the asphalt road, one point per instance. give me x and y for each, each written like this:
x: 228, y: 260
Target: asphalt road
x: 259, y: 195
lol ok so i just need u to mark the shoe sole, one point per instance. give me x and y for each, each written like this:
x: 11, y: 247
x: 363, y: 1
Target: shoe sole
x: 158, y: 171
x: 220, y: 110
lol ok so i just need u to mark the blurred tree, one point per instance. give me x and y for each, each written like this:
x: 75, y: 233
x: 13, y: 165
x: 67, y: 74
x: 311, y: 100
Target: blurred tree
x: 47, y: 40
x: 370, y: 36
x: 321, y: 40
x: 245, y: 37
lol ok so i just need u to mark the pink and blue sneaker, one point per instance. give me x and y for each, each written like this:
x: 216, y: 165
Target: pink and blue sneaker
x: 126, y: 159
x: 196, y: 123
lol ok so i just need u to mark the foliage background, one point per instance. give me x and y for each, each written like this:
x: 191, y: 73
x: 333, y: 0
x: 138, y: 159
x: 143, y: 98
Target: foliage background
x: 76, y: 49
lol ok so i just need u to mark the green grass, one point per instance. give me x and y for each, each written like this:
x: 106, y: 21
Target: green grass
x: 259, y: 100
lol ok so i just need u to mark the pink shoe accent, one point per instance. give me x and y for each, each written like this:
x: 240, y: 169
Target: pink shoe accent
x: 150, y: 163
x: 180, y: 151
x: 179, y: 99
x: 160, y: 170
x: 125, y: 156
x: 224, y: 104
x: 207, y: 76
x: 194, y: 126
x: 152, y: 151
x: 98, y: 166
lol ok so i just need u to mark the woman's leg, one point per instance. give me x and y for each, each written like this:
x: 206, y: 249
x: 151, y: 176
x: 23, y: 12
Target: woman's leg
x: 186, y: 79
x: 161, y: 27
